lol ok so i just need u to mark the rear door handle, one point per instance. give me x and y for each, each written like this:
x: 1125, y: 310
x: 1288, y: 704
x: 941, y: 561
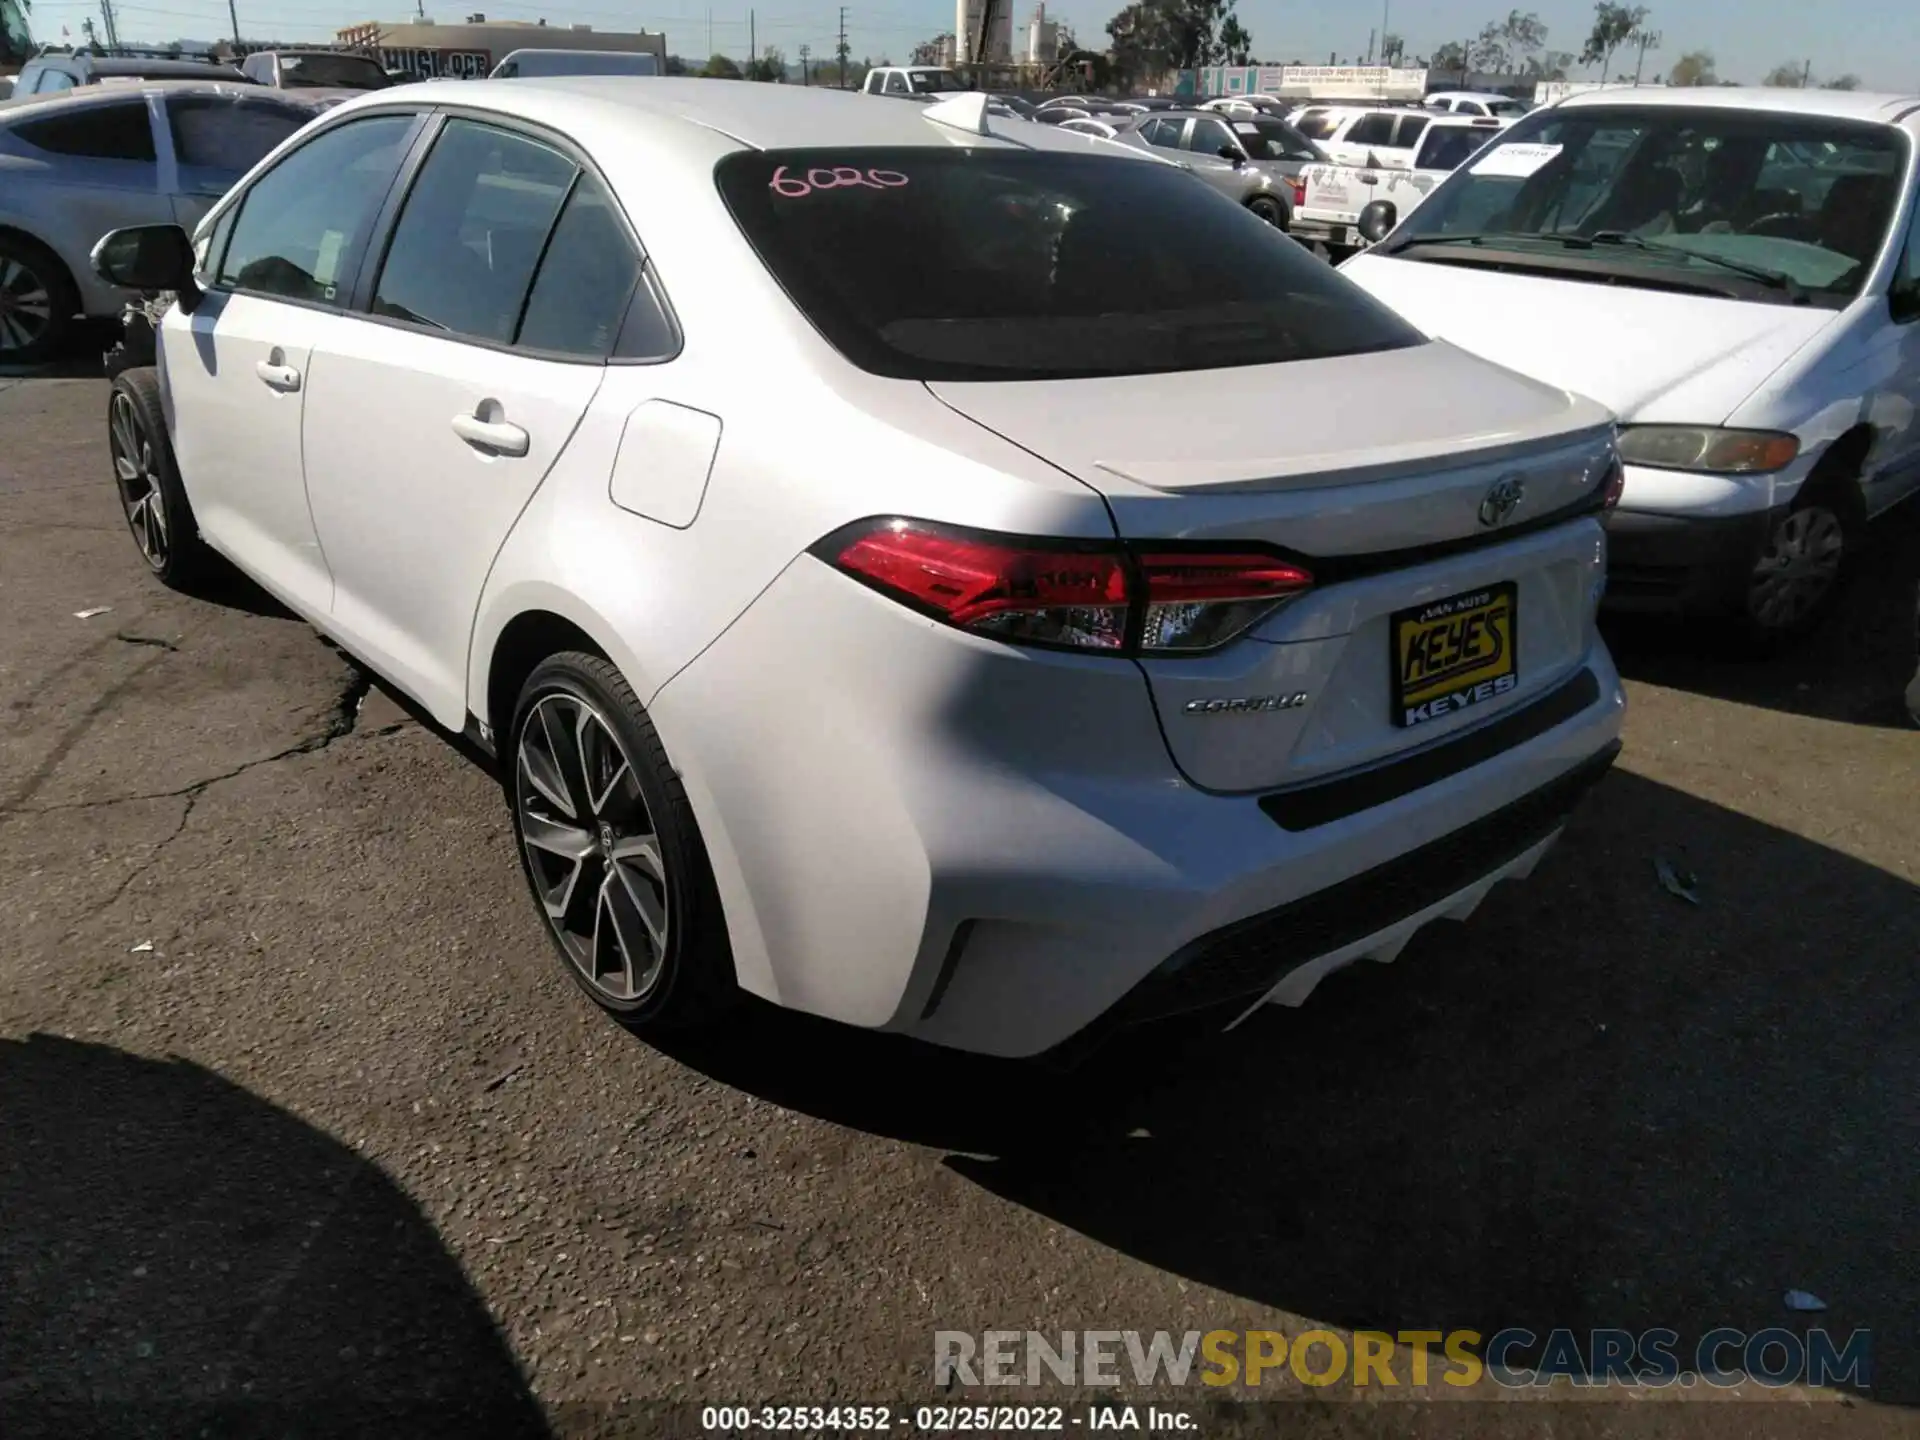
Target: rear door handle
x: 496, y: 436
x: 277, y: 377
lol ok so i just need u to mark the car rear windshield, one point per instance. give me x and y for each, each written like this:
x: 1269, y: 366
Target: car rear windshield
x: 340, y: 72
x: 992, y: 264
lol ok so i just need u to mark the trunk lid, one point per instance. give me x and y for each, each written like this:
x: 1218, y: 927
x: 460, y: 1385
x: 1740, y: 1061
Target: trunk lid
x: 1376, y: 471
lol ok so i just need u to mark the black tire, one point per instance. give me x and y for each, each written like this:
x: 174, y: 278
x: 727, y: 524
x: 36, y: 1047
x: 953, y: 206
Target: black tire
x: 1913, y: 686
x: 143, y: 469
x: 38, y: 302
x: 1808, y: 556
x: 1269, y: 210
x: 695, y: 983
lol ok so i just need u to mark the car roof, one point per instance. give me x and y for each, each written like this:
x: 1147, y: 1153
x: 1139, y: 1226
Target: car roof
x: 1830, y: 104
x: 604, y: 112
x: 1471, y: 95
x: 157, y: 69
x: 85, y: 95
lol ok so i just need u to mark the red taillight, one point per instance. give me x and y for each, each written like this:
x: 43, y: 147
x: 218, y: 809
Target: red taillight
x: 1079, y: 595
x: 1299, y: 188
x: 1197, y: 600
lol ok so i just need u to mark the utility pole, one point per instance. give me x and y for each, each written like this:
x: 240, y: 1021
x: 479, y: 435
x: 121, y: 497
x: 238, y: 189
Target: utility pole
x: 1648, y: 40
x: 233, y: 15
x: 806, y: 53
x: 840, y: 47
x: 709, y: 30
x: 1806, y: 74
x: 753, y: 49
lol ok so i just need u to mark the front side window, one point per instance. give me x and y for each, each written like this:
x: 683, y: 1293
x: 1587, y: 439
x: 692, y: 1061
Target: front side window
x: 935, y: 82
x: 896, y: 85
x: 960, y: 264
x: 1371, y: 130
x: 1446, y: 146
x: 226, y: 132
x: 1407, y: 133
x: 1691, y: 195
x: 1268, y: 139
x: 52, y: 80
x: 1210, y: 137
x: 119, y: 131
x: 301, y: 222
x: 471, y: 232
x: 1165, y: 134
x: 1315, y: 125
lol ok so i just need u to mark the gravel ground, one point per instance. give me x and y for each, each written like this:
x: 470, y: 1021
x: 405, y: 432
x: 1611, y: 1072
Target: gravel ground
x: 298, y: 1112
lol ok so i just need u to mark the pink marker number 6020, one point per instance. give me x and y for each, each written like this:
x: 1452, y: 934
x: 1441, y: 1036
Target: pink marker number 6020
x: 836, y: 178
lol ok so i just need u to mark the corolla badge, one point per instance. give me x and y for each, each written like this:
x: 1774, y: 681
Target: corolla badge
x: 1247, y: 704
x: 1502, y: 500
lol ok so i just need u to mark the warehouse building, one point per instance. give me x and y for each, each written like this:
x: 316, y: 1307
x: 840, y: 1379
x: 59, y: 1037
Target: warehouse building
x: 470, y: 49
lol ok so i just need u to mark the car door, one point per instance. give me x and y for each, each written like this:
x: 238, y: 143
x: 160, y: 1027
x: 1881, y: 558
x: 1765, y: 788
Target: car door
x: 1207, y: 136
x: 99, y: 171
x: 214, y: 139
x: 434, y: 416
x: 1894, y: 469
x: 277, y: 260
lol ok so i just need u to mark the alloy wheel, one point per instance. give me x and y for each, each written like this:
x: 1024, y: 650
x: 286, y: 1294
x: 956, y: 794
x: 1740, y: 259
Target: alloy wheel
x: 1797, y: 569
x: 591, y: 847
x: 141, y: 495
x: 26, y: 306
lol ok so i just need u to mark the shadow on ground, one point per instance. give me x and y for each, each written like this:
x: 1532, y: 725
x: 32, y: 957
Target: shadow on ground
x: 181, y: 1257
x: 1854, y: 669
x: 1592, y: 1105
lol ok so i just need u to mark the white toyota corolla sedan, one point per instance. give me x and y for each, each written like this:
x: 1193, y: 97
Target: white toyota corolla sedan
x: 978, y: 584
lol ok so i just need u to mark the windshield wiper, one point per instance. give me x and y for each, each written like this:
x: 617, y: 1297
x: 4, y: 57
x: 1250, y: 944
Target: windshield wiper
x: 1777, y: 279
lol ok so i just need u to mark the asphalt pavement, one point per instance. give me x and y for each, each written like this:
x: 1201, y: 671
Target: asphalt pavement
x: 298, y: 1112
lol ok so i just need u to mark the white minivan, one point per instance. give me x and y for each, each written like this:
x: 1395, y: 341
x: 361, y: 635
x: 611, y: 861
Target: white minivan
x: 1736, y: 273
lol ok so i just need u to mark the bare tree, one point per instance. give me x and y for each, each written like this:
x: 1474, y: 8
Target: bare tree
x: 1693, y: 68
x: 1613, y: 26
x: 1788, y: 75
x: 1841, y: 82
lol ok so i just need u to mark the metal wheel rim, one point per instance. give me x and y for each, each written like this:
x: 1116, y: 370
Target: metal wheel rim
x: 141, y: 495
x: 1798, y: 567
x: 591, y: 847
x: 26, y: 305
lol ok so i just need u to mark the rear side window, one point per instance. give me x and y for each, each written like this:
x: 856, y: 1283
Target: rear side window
x: 52, y: 80
x: 223, y: 132
x: 937, y: 264
x: 1210, y: 137
x: 472, y: 232
x: 1407, y: 134
x: 303, y: 221
x: 1315, y: 125
x: 120, y: 131
x: 589, y: 270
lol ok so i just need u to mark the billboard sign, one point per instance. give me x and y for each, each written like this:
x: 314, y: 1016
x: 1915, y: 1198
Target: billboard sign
x: 439, y: 64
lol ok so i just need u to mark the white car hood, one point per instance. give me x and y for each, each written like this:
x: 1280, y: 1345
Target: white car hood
x: 1648, y: 355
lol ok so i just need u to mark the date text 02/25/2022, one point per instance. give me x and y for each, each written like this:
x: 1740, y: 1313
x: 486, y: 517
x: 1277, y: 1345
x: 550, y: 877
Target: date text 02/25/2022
x: 939, y: 1419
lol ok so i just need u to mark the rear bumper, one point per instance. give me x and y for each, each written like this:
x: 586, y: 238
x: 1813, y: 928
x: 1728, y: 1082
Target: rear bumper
x: 1683, y: 564
x: 917, y: 830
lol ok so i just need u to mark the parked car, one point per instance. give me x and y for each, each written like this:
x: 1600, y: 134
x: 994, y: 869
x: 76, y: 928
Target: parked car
x: 1087, y: 125
x: 525, y: 63
x: 1333, y: 196
x: 785, y: 525
x: 78, y: 164
x: 325, y: 76
x: 1252, y: 162
x: 1737, y: 274
x: 1016, y: 105
x: 1477, y: 102
x: 1378, y: 135
x: 50, y: 74
x: 913, y: 81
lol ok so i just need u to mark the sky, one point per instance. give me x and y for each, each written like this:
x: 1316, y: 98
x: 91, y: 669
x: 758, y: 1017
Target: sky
x: 1877, y: 40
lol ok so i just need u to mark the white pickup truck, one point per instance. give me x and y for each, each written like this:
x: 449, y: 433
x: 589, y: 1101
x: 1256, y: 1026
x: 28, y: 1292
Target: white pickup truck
x: 1332, y: 196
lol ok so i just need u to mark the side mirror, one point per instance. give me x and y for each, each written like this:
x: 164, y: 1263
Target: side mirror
x: 1228, y: 152
x: 1377, y: 219
x: 148, y: 257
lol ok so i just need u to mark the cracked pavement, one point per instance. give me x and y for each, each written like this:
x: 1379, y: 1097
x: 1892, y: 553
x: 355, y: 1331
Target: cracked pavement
x: 298, y: 1108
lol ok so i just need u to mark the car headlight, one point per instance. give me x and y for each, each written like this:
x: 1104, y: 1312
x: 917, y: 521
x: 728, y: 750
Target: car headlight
x: 1708, y: 448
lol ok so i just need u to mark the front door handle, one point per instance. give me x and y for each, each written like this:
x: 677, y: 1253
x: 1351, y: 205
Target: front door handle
x: 278, y: 377
x: 496, y: 436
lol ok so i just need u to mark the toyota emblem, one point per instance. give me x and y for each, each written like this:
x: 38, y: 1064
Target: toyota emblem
x: 1502, y: 500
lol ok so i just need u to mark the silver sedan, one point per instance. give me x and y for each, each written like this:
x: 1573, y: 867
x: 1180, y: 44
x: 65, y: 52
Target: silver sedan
x: 80, y: 163
x: 1252, y: 160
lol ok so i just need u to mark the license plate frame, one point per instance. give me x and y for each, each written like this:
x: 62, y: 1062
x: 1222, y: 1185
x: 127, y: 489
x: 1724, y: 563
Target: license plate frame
x: 1458, y: 684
